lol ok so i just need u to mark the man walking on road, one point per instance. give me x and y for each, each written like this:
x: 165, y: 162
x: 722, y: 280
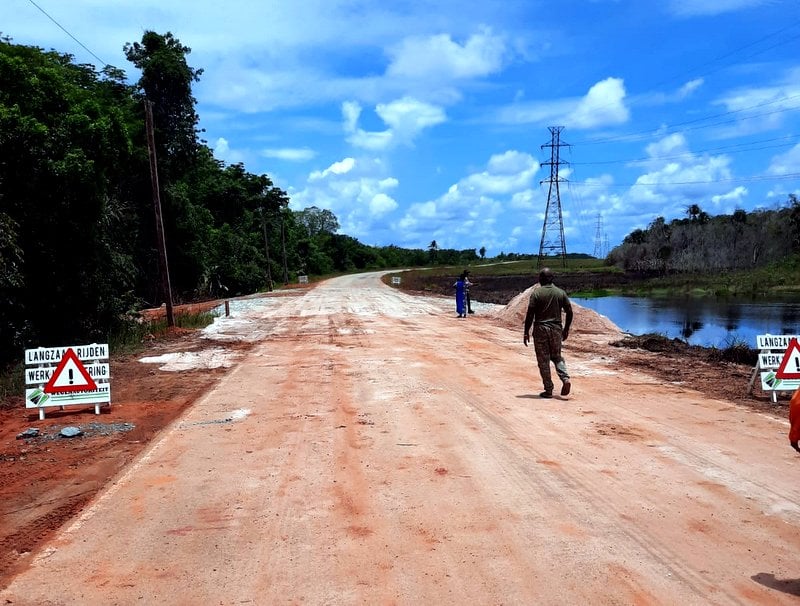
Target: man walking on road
x: 544, y: 313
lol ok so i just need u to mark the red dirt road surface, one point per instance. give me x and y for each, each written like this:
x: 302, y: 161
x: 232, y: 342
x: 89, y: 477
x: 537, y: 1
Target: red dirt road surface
x: 372, y: 448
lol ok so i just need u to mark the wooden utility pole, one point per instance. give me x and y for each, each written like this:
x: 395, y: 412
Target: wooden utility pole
x: 266, y: 249
x: 283, y: 246
x: 161, y: 242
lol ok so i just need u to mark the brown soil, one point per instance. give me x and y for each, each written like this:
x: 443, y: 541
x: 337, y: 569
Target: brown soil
x: 47, y: 480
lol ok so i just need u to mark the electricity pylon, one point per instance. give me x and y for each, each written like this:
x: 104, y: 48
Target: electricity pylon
x: 552, y: 242
x: 598, y: 238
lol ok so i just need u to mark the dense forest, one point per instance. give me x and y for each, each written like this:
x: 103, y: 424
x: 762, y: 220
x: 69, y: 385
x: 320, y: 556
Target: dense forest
x: 702, y: 243
x: 78, y: 245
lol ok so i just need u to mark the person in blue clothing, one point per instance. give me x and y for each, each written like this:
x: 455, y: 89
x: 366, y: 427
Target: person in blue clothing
x: 467, y: 284
x: 461, y: 291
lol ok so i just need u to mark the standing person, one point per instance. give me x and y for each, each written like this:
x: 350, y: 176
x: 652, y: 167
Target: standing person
x: 467, y: 284
x: 460, y: 287
x: 544, y: 313
x: 794, y: 420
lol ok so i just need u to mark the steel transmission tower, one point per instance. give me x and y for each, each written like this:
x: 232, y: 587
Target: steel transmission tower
x: 552, y: 242
x: 598, y: 238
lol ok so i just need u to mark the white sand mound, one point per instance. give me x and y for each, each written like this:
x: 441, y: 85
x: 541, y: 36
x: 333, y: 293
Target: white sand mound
x: 585, y: 321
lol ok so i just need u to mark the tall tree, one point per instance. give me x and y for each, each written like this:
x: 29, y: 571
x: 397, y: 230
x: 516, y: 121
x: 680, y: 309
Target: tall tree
x: 166, y: 81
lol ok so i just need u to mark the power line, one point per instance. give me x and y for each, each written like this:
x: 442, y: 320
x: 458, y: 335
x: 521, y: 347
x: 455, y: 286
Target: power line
x: 44, y: 12
x: 789, y: 140
x: 639, y: 135
x: 750, y: 179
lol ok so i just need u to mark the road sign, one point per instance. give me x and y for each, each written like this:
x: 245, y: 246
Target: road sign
x: 70, y: 375
x: 790, y: 365
x: 67, y: 376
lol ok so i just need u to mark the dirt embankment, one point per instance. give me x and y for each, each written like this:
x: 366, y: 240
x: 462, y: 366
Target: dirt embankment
x: 500, y: 290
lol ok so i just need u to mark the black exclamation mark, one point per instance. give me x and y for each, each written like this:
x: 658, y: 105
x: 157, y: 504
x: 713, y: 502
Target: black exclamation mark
x: 69, y: 370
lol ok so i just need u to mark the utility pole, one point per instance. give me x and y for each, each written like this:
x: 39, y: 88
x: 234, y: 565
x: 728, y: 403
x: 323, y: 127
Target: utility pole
x: 161, y: 243
x: 266, y: 249
x: 553, y: 227
x: 598, y: 238
x: 283, y: 247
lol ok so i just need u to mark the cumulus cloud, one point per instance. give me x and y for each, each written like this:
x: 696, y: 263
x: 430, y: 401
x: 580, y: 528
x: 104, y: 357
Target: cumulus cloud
x: 405, y: 119
x: 603, y: 105
x: 337, y: 168
x: 356, y: 190
x: 731, y: 199
x: 440, y: 57
x: 675, y: 177
x: 471, y: 208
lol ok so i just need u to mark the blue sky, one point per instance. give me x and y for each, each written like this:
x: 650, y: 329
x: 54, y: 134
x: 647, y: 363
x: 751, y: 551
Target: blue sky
x: 423, y: 120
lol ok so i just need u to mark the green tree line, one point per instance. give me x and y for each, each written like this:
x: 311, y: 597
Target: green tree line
x: 78, y: 249
x: 701, y: 243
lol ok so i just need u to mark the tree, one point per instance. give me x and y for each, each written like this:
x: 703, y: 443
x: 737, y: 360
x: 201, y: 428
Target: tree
x: 166, y: 81
x: 433, y: 250
x: 318, y: 221
x: 64, y: 171
x: 482, y: 251
x: 693, y: 211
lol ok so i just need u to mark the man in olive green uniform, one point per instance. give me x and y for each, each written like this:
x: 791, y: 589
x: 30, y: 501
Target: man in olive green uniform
x: 544, y: 313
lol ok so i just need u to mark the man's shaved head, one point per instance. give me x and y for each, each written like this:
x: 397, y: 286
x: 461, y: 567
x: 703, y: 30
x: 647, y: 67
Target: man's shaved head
x: 546, y: 276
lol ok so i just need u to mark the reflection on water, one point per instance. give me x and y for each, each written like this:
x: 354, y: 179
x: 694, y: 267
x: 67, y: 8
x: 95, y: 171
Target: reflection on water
x: 700, y: 321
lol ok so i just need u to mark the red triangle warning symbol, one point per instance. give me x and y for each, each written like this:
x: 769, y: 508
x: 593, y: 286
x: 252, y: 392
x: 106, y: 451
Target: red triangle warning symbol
x: 790, y: 365
x: 70, y: 375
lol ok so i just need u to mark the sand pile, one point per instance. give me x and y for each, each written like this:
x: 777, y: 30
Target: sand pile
x: 584, y: 322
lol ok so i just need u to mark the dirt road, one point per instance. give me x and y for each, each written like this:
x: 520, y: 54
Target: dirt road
x: 372, y: 448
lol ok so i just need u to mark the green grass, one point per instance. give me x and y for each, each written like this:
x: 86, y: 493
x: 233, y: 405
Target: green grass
x: 131, y: 336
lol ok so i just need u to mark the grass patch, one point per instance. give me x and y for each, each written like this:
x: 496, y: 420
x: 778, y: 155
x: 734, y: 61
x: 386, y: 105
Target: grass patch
x: 596, y: 293
x: 132, y: 335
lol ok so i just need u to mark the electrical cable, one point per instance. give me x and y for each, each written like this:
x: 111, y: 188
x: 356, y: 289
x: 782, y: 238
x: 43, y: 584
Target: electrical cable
x: 44, y: 12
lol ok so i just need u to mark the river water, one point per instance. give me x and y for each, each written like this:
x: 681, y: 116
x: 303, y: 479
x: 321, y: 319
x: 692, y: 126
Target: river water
x: 700, y: 321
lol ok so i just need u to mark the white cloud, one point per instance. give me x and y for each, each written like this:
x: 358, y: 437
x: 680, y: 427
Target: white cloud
x: 704, y: 8
x: 759, y: 109
x: 440, y: 57
x: 223, y: 151
x: 290, y: 154
x: 405, y: 117
x: 603, y: 105
x: 787, y: 163
x: 337, y: 168
x: 687, y: 89
x: 350, y: 111
x: 355, y: 190
x: 731, y: 199
x: 471, y: 208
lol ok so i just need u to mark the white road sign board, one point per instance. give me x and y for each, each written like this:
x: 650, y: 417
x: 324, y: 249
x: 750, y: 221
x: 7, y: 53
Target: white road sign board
x: 65, y: 376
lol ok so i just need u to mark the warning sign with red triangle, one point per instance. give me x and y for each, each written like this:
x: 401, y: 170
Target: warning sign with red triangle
x: 790, y: 365
x: 70, y: 375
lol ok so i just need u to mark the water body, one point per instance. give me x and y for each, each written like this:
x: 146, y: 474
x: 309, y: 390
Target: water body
x: 700, y: 321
